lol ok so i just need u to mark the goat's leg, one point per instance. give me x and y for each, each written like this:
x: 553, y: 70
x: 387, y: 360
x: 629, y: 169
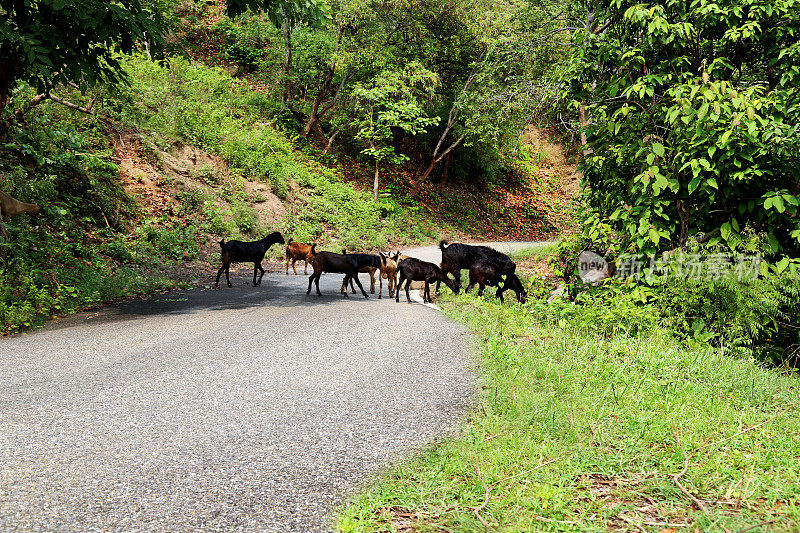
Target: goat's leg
x: 310, y: 281
x: 481, y: 286
x: 372, y: 282
x: 228, y: 274
x: 317, y: 283
x: 261, y: 270
x: 295, y: 268
x: 457, y: 276
x: 380, y: 289
x: 255, y: 273
x: 499, y: 293
x: 469, y: 287
x: 358, y: 282
x: 305, y: 271
x: 352, y: 287
x: 426, y: 293
x: 219, y: 273
x: 408, y: 284
x: 397, y: 288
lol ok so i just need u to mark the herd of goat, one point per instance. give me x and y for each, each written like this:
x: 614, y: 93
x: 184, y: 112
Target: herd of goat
x: 486, y: 267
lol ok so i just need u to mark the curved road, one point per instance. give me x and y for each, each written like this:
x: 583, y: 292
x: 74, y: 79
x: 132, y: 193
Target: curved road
x: 254, y: 408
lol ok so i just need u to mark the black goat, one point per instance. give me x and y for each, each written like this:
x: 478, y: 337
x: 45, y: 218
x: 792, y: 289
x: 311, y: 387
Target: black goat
x: 370, y: 263
x: 347, y: 264
x: 458, y: 256
x: 244, y: 252
x: 413, y: 269
x: 485, y: 273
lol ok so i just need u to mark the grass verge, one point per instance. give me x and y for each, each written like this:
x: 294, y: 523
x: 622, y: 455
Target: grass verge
x: 580, y: 428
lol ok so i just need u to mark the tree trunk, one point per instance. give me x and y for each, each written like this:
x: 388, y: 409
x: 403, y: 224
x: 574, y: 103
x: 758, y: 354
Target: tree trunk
x: 287, y: 62
x: 446, y: 171
x: 8, y: 77
x: 313, y: 117
x: 375, y: 184
x: 584, y: 123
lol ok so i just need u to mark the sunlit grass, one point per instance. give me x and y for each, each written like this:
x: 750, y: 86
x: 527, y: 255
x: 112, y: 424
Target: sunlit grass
x: 576, y: 430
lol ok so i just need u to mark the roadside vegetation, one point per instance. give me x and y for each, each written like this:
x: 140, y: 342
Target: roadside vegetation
x: 602, y: 414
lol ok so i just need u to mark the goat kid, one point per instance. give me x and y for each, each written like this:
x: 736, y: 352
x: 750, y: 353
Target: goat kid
x: 457, y: 256
x: 389, y: 271
x: 485, y: 273
x: 245, y: 252
x: 297, y: 251
x: 347, y: 264
x: 412, y: 269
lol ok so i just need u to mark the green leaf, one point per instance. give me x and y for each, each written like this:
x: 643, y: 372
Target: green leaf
x: 658, y: 149
x: 725, y: 231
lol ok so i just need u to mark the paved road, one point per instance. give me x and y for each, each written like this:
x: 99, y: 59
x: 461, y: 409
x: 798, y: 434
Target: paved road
x: 250, y: 408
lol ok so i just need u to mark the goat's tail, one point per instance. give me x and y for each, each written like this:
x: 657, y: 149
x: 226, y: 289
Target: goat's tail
x: 314, y: 249
x: 222, y: 243
x: 289, y: 241
x: 442, y: 245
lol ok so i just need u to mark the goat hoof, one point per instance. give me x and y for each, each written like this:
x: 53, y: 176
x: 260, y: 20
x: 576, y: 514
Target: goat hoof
x: 230, y: 284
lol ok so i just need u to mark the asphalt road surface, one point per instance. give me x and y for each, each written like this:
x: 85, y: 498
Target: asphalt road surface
x: 255, y: 408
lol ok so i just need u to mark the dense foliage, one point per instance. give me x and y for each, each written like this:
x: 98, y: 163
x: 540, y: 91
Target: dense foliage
x: 481, y: 96
x: 693, y: 120
x: 51, y: 42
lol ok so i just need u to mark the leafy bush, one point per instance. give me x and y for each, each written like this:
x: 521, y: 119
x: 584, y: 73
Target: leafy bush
x: 748, y: 316
x: 693, y: 121
x: 250, y: 40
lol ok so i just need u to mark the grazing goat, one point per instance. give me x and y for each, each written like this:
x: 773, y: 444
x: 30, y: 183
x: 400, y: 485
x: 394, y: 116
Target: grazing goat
x: 413, y: 269
x: 245, y: 252
x: 370, y: 263
x: 11, y: 207
x: 295, y: 251
x: 347, y: 264
x: 457, y: 256
x: 389, y: 271
x: 485, y: 273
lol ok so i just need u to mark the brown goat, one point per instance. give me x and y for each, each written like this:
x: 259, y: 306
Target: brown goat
x: 389, y: 271
x: 11, y: 207
x: 296, y: 251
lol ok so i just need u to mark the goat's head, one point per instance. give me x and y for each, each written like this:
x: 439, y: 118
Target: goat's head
x: 275, y: 238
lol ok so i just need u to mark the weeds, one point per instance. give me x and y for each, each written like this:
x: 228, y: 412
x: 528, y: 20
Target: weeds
x: 584, y: 426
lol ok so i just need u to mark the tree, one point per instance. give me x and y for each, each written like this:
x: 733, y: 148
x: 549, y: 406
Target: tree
x: 693, y: 120
x: 286, y: 15
x: 392, y: 101
x: 50, y: 42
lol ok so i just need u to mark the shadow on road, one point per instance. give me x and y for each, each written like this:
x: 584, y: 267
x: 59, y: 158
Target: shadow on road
x: 277, y: 291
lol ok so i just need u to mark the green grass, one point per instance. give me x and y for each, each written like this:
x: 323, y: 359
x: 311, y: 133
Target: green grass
x: 205, y: 107
x: 581, y: 427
